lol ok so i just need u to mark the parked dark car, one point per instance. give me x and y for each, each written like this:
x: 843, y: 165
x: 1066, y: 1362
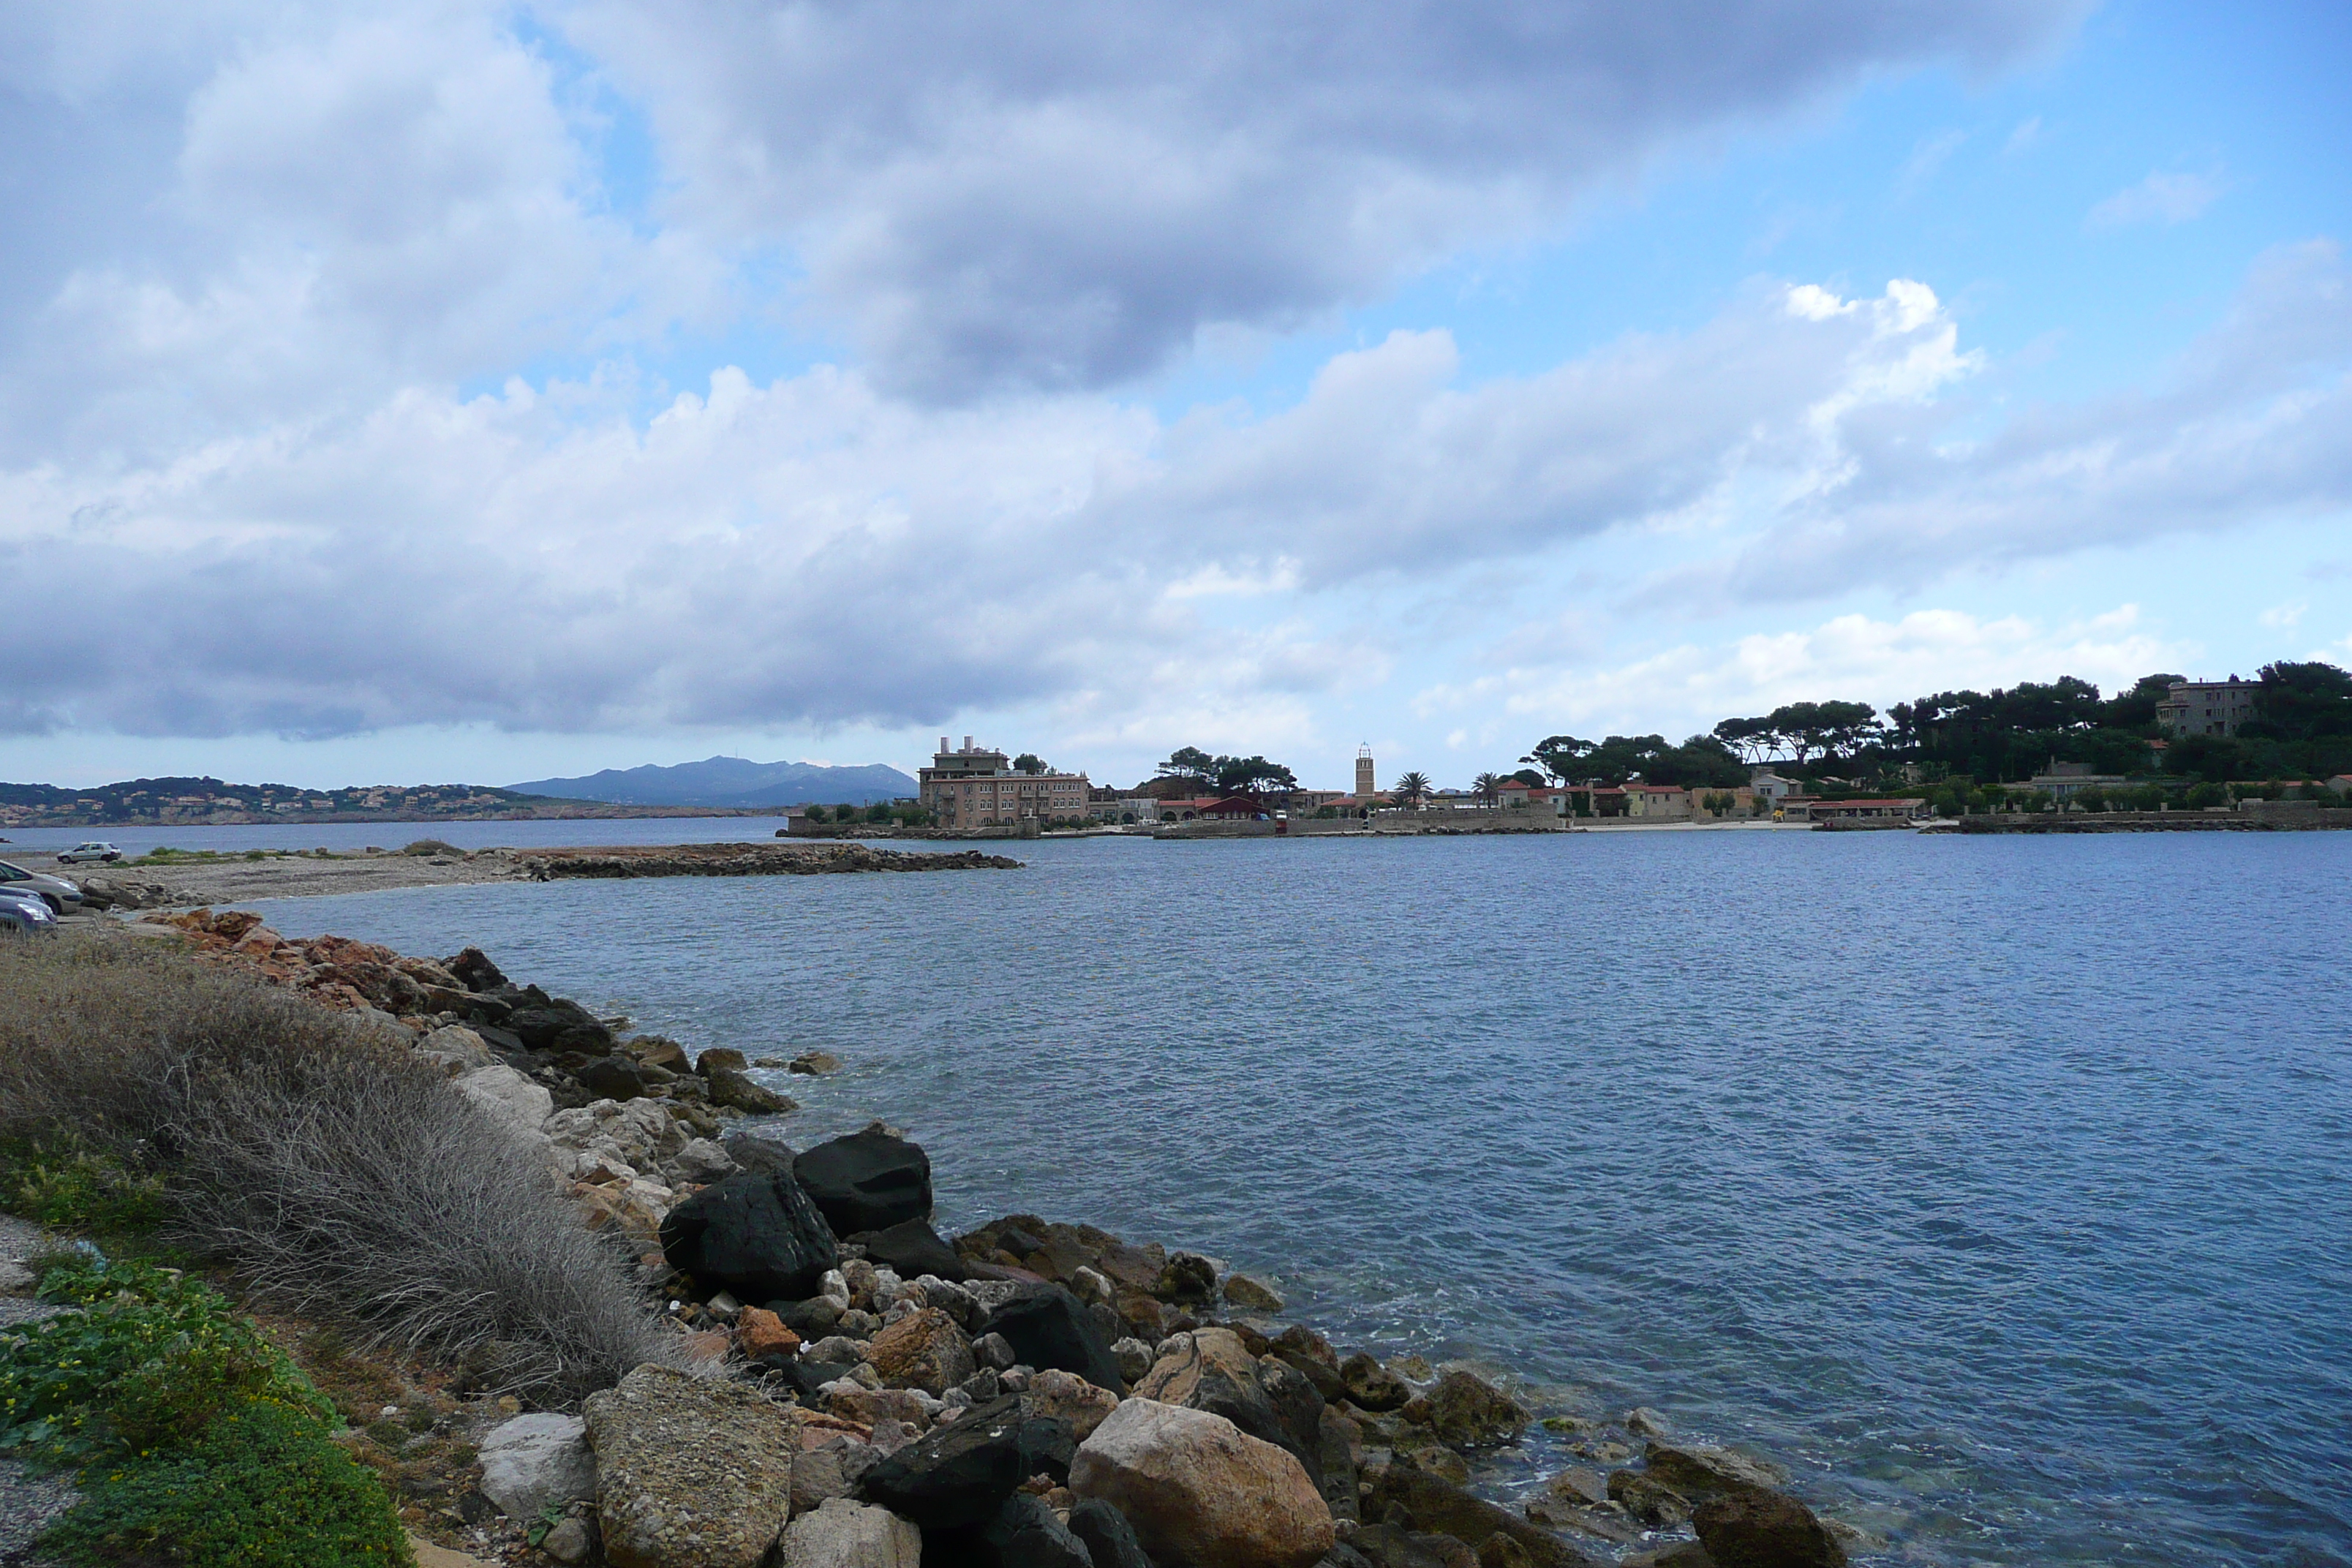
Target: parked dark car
x: 23, y: 914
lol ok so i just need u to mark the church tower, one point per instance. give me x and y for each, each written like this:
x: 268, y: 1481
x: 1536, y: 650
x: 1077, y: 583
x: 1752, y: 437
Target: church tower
x: 1365, y: 788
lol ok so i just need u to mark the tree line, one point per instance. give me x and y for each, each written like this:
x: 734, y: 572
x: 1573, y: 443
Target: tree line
x: 2302, y: 729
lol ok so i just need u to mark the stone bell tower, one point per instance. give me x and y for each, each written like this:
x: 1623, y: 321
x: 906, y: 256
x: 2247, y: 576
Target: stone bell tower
x: 1365, y: 788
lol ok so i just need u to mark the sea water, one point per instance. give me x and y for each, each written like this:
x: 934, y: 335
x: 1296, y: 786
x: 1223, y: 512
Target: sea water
x: 2002, y: 1187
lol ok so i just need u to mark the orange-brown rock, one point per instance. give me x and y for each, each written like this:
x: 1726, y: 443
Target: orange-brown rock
x: 923, y: 1350
x: 759, y: 1332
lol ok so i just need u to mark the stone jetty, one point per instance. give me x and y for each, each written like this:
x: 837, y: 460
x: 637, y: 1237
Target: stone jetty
x: 744, y: 860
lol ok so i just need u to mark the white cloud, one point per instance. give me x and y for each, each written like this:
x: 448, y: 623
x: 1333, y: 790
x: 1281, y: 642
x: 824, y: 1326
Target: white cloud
x: 2165, y: 199
x: 2253, y: 425
x: 2286, y: 617
x: 2025, y: 137
x: 815, y: 553
x: 1689, y: 687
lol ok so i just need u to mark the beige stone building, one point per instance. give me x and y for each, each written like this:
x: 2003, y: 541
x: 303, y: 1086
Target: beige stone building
x: 2208, y: 707
x: 976, y: 786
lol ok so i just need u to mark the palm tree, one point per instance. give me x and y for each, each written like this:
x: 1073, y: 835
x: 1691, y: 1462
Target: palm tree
x: 1488, y: 788
x: 1411, y: 789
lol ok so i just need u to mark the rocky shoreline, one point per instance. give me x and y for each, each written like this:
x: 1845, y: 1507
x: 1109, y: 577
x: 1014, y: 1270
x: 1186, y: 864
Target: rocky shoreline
x: 852, y: 1388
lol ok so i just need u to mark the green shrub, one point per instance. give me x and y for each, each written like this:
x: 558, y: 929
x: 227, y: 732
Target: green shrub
x: 432, y: 846
x: 149, y: 1361
x: 76, y: 1189
x: 263, y: 1487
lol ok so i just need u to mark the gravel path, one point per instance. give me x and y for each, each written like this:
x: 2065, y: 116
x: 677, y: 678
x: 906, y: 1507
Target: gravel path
x: 27, y: 1502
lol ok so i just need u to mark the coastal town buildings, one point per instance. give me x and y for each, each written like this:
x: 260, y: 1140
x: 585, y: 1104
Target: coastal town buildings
x: 977, y: 786
x: 2206, y: 707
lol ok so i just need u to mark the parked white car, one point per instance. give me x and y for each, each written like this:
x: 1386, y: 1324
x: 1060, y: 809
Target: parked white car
x: 91, y: 850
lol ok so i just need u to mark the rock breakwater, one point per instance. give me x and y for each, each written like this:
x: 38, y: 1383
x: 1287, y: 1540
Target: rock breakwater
x: 745, y: 860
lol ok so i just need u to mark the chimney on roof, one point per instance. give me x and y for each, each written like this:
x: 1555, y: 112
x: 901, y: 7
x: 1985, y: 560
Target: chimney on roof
x: 943, y: 743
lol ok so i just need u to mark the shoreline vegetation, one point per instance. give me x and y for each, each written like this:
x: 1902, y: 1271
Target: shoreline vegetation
x: 611, y: 1316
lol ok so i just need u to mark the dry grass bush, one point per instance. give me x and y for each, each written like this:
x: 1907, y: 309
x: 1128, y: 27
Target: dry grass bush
x: 336, y: 1176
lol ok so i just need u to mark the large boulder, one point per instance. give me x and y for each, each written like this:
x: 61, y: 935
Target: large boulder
x: 1210, y: 1370
x: 867, y: 1181
x: 1048, y: 1327
x: 1439, y: 1507
x: 536, y: 1461
x: 691, y: 1472
x: 958, y: 1476
x: 1067, y: 1396
x: 923, y: 1350
x: 1466, y: 1411
x: 839, y: 1533
x: 912, y: 1248
x: 1197, y: 1489
x: 510, y: 1098
x: 758, y: 1237
x: 1697, y: 1472
x: 1765, y: 1530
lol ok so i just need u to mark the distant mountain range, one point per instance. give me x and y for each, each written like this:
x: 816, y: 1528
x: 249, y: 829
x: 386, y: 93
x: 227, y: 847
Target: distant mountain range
x: 731, y: 781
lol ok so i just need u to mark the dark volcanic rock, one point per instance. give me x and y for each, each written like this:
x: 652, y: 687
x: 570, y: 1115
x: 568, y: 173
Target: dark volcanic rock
x: 1187, y: 1278
x: 1297, y: 1406
x: 1389, y: 1546
x: 1048, y: 1327
x: 914, y: 1249
x: 758, y: 1237
x: 1372, y: 1385
x: 612, y: 1078
x: 867, y: 1181
x: 475, y: 971
x: 1466, y: 1411
x: 761, y: 1156
x: 961, y: 1475
x: 1026, y: 1535
x: 1703, y: 1472
x: 1765, y: 1530
x: 812, y: 1320
x: 1110, y: 1538
x: 730, y: 1088
x: 1440, y: 1506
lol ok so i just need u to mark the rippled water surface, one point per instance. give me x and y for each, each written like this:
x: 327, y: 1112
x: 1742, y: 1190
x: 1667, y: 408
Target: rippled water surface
x: 1999, y: 1187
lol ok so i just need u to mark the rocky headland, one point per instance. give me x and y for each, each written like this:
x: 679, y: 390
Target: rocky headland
x: 853, y: 1389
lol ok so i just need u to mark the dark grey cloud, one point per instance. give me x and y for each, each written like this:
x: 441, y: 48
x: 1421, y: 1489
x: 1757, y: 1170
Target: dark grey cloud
x: 1060, y: 195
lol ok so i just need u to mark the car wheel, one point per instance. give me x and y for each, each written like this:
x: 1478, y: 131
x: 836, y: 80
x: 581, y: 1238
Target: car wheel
x: 57, y: 907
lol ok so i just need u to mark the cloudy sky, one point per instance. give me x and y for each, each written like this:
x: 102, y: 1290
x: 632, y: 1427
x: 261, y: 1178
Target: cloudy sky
x: 435, y: 390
